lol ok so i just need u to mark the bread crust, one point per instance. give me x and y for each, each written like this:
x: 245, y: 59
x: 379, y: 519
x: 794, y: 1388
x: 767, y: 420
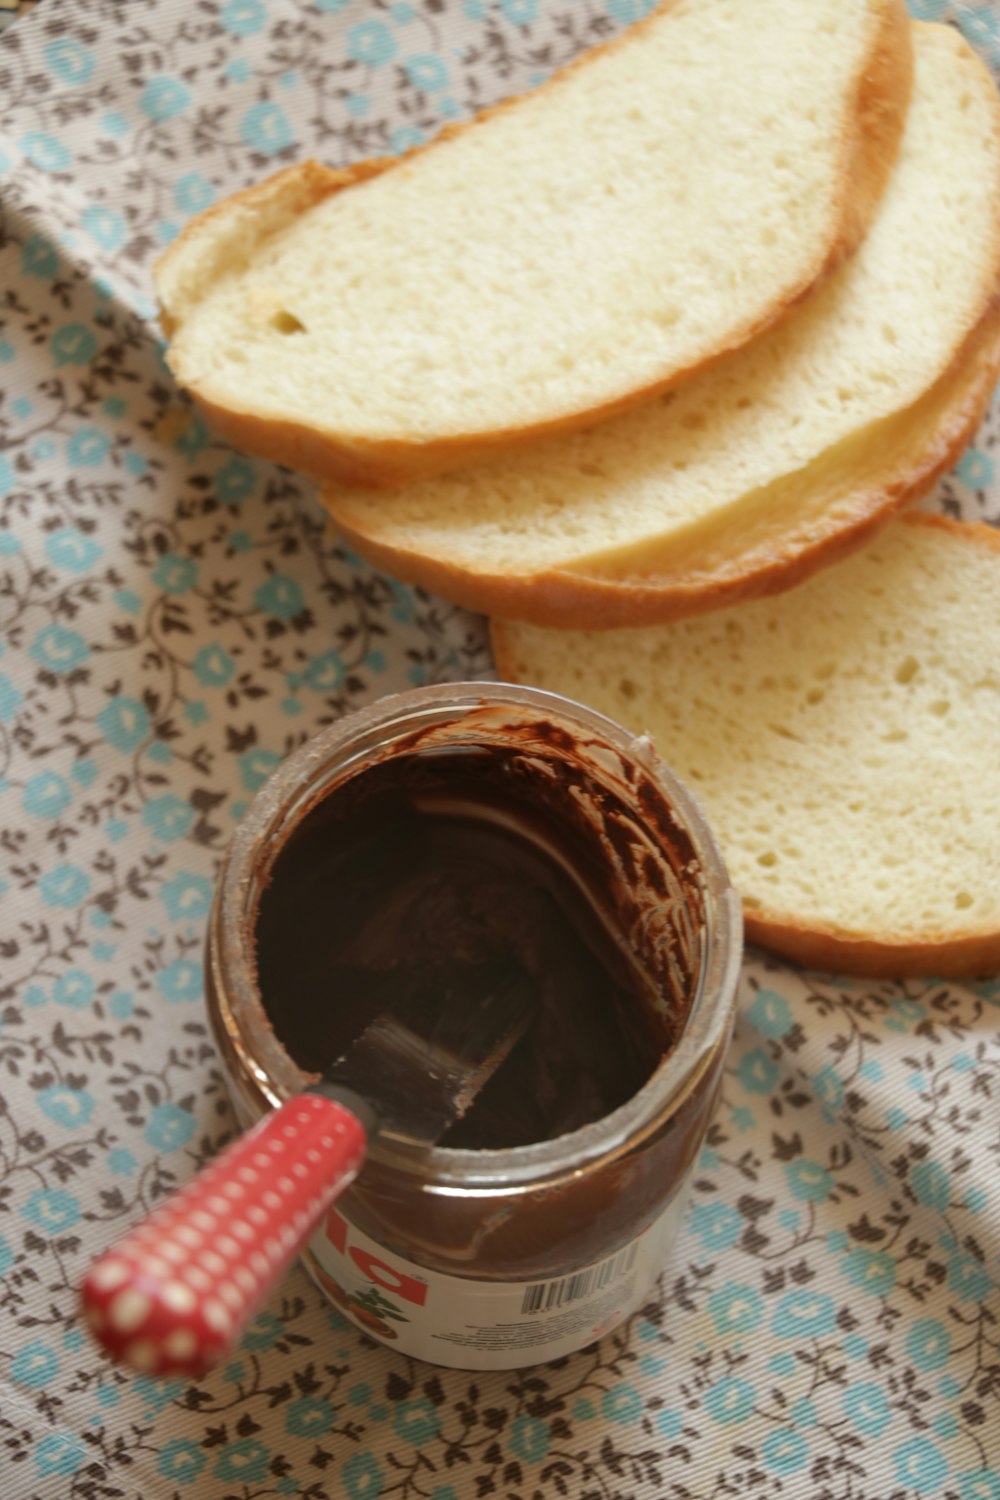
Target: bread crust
x: 869, y: 136
x: 900, y: 461
x: 883, y: 96
x: 883, y: 955
x: 971, y: 957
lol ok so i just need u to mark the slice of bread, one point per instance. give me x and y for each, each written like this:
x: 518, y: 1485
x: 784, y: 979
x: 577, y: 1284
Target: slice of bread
x: 844, y: 737
x: 781, y: 457
x: 562, y: 257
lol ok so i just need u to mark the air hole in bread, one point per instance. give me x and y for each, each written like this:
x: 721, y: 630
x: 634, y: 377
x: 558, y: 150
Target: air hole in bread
x: 907, y: 670
x: 963, y: 900
x: 767, y: 859
x: 940, y: 707
x: 286, y: 322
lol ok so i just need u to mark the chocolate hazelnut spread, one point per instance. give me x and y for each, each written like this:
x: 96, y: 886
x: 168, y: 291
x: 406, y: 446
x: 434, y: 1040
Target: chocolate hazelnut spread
x: 427, y: 875
x: 421, y: 840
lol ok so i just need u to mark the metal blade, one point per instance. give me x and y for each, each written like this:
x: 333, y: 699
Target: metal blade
x: 420, y: 1067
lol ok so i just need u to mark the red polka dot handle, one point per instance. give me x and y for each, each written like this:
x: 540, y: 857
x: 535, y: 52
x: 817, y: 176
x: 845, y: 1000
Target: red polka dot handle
x: 174, y: 1294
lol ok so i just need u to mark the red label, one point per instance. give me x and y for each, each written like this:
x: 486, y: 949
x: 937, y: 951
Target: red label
x: 376, y: 1270
x: 336, y: 1231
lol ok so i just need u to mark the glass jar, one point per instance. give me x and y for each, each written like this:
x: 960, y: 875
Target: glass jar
x: 495, y: 1259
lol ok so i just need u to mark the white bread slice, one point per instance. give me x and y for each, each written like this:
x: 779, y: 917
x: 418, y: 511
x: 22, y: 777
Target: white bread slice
x: 778, y: 459
x: 844, y: 737
x: 563, y: 256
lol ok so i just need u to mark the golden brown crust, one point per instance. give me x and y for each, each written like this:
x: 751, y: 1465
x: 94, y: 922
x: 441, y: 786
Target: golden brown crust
x: 979, y: 533
x: 870, y: 132
x: 871, y: 139
x: 825, y: 512
x: 950, y: 958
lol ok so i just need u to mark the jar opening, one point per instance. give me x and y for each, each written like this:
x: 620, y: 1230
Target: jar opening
x: 494, y: 815
x: 420, y: 883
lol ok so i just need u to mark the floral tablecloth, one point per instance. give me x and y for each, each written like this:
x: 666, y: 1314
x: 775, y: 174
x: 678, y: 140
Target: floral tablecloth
x: 175, y: 619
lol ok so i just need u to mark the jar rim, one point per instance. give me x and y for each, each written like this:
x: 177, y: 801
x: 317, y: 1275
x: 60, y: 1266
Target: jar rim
x: 295, y: 787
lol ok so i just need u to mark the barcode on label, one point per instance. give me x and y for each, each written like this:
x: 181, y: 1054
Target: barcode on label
x: 544, y: 1295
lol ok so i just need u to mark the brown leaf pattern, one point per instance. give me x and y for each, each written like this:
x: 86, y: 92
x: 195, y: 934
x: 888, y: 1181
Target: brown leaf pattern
x: 174, y: 619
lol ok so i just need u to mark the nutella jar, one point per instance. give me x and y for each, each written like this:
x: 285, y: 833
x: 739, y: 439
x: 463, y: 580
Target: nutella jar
x: 433, y: 834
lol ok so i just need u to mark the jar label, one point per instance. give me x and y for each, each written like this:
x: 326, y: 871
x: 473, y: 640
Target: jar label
x: 472, y: 1324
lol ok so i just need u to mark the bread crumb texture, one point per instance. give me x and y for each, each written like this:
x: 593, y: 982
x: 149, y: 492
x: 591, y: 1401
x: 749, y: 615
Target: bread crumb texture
x: 866, y: 347
x: 844, y: 736
x: 633, y: 217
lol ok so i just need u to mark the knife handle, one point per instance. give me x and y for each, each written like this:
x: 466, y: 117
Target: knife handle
x: 175, y: 1293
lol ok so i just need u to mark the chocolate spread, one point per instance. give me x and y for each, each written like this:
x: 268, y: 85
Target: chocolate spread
x: 427, y: 873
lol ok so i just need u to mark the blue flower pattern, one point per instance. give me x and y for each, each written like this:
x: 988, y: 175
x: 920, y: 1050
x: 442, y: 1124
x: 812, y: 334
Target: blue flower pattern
x: 790, y: 1264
